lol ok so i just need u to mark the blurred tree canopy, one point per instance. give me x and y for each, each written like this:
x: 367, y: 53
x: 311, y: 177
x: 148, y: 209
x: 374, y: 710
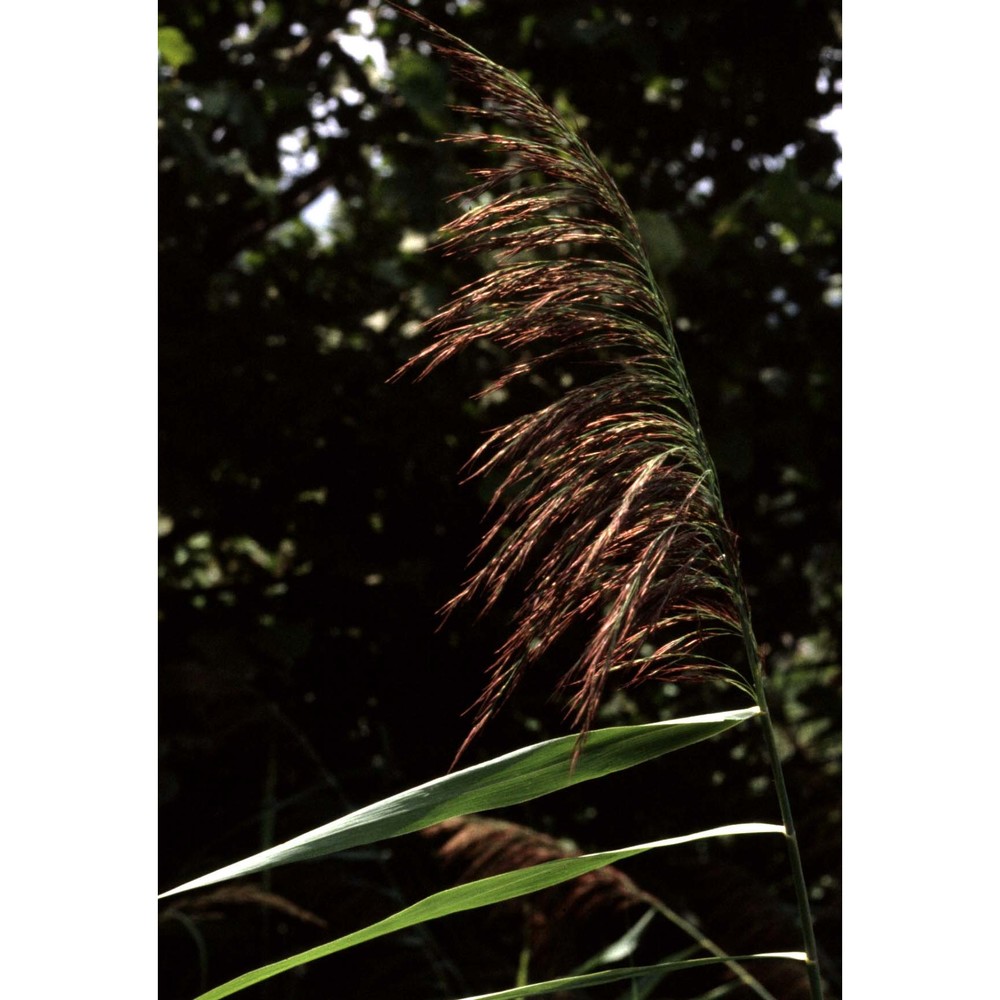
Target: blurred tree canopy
x: 312, y: 518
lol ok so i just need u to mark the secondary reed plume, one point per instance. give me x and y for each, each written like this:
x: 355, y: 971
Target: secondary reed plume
x: 608, y: 502
x: 559, y: 924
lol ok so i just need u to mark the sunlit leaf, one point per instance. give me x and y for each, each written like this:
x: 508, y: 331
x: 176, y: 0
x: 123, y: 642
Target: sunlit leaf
x: 616, y: 975
x: 473, y: 895
x: 515, y: 777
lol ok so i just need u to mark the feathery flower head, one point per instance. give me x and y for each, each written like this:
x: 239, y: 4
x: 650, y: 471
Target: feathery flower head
x: 608, y: 505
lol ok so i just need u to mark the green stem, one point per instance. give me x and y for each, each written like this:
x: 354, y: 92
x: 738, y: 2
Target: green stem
x: 731, y: 559
x: 794, y: 857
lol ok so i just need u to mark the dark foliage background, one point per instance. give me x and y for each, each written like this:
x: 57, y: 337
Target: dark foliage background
x: 312, y: 518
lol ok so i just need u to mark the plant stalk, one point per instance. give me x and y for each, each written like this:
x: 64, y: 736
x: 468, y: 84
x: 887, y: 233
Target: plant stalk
x: 752, y: 654
x: 794, y: 857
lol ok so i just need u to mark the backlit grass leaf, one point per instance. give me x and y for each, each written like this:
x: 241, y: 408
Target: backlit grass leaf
x: 515, y: 777
x: 616, y: 975
x: 473, y: 895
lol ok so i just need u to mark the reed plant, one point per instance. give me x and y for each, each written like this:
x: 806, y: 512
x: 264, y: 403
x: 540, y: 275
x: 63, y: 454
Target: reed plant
x: 607, y: 515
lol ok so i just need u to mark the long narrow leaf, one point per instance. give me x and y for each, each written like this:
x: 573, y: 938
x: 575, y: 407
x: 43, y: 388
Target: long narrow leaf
x: 643, y: 987
x: 515, y: 777
x: 472, y: 895
x: 615, y: 975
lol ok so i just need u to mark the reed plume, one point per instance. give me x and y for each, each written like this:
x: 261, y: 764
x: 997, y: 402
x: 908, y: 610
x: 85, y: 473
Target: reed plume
x: 608, y: 498
x: 608, y: 501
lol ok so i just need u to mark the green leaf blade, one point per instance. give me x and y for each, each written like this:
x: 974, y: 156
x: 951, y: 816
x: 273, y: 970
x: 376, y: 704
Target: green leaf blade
x: 515, y: 777
x: 635, y: 972
x: 473, y: 895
